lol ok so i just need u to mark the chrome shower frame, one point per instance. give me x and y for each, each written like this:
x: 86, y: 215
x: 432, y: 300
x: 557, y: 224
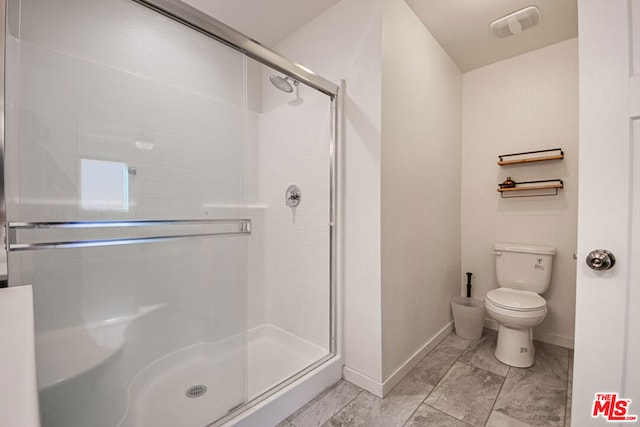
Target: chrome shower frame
x: 3, y: 231
x: 215, y: 29
x: 204, y: 23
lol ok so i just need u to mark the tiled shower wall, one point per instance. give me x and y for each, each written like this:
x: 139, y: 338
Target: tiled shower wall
x: 70, y: 107
x: 95, y: 96
x: 89, y: 93
x: 293, y: 148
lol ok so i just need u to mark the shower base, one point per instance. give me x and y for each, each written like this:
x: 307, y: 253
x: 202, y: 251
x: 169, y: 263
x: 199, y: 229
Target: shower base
x: 162, y: 394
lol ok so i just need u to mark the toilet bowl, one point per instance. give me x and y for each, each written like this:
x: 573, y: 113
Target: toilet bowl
x: 523, y: 273
x: 516, y: 312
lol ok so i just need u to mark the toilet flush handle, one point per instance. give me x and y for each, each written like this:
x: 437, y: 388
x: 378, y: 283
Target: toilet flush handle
x: 496, y: 253
x: 600, y: 259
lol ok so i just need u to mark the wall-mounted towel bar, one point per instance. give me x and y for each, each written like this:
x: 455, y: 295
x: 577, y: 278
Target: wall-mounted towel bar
x: 25, y: 236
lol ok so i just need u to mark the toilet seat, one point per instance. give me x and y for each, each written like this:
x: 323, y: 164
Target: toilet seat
x: 516, y: 300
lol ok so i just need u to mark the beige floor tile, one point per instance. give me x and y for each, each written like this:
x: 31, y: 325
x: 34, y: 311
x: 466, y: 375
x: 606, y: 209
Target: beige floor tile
x: 453, y: 344
x: 468, y: 386
x: 480, y: 353
x: 371, y: 411
x: 550, y: 360
x: 533, y: 398
x: 497, y: 419
x: 322, y: 408
x: 425, y: 415
x: 434, y: 366
x: 466, y: 393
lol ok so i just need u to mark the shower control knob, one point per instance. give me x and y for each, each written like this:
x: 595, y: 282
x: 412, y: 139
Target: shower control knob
x: 600, y: 259
x: 293, y: 195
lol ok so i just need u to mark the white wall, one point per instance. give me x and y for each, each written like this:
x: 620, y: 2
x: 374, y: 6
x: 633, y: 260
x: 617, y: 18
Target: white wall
x: 345, y: 43
x: 525, y: 103
x: 391, y: 314
x: 421, y: 149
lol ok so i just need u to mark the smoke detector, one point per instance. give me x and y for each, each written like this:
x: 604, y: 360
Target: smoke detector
x: 516, y: 22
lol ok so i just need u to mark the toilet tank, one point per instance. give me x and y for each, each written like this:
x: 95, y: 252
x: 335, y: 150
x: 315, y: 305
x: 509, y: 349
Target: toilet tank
x: 524, y: 267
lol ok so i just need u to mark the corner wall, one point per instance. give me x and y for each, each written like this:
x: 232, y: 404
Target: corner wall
x: 524, y: 103
x: 345, y: 43
x: 392, y: 298
x: 421, y: 151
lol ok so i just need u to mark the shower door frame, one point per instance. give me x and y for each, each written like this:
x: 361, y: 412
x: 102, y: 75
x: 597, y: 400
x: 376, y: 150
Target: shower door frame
x: 221, y: 32
x: 3, y: 216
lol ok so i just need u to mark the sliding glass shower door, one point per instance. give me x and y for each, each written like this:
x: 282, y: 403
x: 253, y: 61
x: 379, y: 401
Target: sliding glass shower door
x: 289, y: 204
x: 173, y: 204
x: 126, y: 198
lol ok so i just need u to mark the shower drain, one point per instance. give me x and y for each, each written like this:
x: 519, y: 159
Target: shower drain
x: 196, y: 391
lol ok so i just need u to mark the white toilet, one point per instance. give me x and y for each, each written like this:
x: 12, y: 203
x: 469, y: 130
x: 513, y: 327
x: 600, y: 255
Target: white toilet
x: 523, y: 272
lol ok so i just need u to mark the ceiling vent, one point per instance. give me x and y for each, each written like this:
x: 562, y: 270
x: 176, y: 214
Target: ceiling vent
x: 516, y: 22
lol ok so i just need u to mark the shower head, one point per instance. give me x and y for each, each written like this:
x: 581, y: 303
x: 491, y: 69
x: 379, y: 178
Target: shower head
x: 282, y: 83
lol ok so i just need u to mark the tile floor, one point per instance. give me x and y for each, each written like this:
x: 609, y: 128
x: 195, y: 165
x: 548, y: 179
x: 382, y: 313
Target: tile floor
x: 459, y: 384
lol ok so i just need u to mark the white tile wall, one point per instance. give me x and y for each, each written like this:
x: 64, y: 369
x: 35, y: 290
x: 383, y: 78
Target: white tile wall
x: 293, y: 148
x: 345, y: 42
x: 99, y: 121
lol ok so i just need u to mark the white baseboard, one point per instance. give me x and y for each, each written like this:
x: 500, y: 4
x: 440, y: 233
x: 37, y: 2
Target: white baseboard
x: 407, y: 366
x: 381, y: 389
x: 558, y: 340
x: 372, y: 386
x: 490, y: 324
x: 554, y: 339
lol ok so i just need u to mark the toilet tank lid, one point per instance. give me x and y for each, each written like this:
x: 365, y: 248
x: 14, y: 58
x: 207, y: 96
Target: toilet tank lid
x: 524, y: 248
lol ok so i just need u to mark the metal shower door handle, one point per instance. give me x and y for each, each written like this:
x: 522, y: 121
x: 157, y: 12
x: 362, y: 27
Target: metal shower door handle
x: 600, y: 260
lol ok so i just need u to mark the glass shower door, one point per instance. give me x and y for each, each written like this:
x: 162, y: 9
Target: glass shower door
x: 289, y: 286
x: 125, y: 192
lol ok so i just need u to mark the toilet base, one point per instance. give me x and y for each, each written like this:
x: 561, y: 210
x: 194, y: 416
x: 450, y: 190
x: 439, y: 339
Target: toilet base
x: 515, y: 346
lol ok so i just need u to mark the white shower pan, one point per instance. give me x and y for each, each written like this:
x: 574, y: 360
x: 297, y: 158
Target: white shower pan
x: 159, y: 394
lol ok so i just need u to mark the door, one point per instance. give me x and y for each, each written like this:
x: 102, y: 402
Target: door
x: 607, y: 314
x: 126, y: 210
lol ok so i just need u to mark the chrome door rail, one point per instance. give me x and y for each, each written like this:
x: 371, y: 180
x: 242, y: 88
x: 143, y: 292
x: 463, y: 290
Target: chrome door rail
x: 206, y: 24
x: 121, y: 223
x: 242, y: 228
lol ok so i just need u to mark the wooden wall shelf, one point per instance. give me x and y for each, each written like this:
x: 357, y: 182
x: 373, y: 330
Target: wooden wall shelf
x: 532, y: 186
x: 531, y: 156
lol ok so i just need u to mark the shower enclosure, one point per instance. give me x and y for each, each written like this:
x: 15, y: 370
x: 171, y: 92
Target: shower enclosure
x: 149, y: 164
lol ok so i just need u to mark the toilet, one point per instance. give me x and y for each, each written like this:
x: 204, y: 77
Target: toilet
x: 523, y: 273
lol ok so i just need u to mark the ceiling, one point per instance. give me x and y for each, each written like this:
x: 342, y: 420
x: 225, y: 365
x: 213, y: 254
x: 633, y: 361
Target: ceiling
x: 266, y: 21
x: 462, y: 27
